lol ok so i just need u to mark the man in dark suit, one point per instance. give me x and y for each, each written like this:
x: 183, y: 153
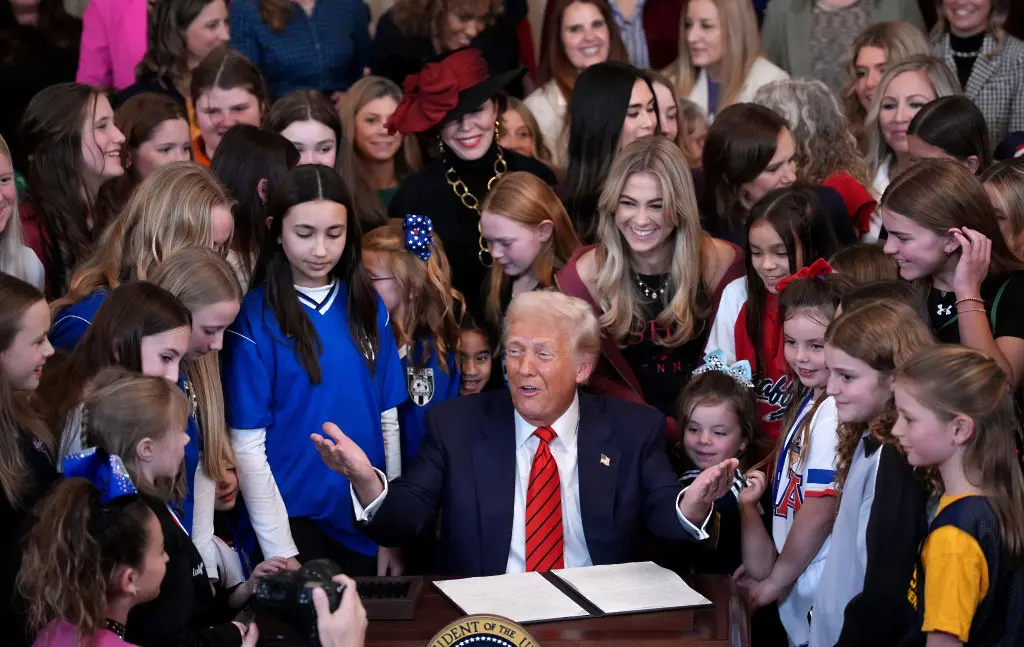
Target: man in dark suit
x: 539, y: 476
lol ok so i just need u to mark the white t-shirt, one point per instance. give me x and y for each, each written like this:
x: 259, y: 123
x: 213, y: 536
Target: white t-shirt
x: 31, y: 268
x: 878, y: 187
x: 723, y: 330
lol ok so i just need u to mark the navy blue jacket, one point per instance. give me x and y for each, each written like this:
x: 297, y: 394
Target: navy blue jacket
x: 466, y: 467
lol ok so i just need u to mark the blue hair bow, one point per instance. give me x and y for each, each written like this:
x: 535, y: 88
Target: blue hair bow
x: 105, y: 471
x: 418, y: 235
x: 740, y: 371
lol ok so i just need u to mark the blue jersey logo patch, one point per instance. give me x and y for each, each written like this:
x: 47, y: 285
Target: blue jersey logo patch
x: 420, y: 383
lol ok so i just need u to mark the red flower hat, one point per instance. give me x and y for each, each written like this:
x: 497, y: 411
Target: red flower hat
x: 446, y: 90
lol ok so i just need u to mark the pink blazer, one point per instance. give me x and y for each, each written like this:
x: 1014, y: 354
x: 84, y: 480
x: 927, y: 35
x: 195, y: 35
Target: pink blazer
x: 113, y: 42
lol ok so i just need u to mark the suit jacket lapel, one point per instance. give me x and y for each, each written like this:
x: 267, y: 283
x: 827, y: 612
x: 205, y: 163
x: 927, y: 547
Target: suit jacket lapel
x: 494, y: 466
x: 982, y: 70
x: 598, y: 463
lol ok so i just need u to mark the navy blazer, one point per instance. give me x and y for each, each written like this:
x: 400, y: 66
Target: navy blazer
x: 466, y: 467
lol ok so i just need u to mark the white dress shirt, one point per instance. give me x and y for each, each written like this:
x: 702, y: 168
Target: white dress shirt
x: 564, y: 451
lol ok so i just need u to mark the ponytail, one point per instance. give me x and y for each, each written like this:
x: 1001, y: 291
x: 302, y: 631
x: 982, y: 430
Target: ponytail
x: 73, y: 552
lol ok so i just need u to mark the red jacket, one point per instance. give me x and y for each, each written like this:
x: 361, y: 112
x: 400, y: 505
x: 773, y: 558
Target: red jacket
x: 773, y: 386
x: 32, y: 228
x: 860, y: 204
x: 613, y: 376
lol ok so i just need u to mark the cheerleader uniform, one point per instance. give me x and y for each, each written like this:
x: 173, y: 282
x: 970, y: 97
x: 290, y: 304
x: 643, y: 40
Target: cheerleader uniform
x: 802, y: 472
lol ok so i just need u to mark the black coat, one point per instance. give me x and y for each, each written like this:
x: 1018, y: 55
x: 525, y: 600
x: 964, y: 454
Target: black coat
x: 427, y: 193
x: 15, y: 524
x: 466, y: 467
x: 187, y: 613
x: 395, y: 55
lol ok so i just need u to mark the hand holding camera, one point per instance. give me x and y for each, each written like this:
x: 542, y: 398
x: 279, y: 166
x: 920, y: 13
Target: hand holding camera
x: 314, y: 606
x: 345, y: 626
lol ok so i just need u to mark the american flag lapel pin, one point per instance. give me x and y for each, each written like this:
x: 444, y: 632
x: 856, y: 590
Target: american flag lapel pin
x: 607, y: 462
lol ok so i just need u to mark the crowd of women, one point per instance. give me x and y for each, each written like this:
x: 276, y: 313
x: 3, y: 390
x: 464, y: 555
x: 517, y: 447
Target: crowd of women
x: 804, y: 243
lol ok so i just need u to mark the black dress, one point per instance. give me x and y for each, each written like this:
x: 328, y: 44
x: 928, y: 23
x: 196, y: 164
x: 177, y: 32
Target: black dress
x: 148, y: 85
x: 187, y: 612
x: 15, y: 523
x: 396, y: 55
x: 427, y: 193
x: 1004, y: 303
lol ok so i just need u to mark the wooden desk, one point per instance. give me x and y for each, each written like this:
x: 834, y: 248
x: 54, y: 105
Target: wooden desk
x: 723, y: 624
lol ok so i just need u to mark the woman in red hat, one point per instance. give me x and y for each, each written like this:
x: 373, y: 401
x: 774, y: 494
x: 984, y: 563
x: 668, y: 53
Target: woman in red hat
x: 456, y: 100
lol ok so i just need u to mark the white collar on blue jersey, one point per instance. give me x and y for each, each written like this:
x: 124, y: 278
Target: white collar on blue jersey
x: 319, y: 299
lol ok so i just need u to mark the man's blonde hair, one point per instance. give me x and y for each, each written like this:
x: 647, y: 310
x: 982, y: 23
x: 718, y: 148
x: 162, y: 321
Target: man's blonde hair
x: 572, y: 315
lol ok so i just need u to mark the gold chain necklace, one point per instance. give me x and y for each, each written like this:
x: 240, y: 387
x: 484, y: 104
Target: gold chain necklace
x: 470, y: 201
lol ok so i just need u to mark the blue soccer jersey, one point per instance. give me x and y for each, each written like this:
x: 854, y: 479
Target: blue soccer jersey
x: 266, y: 387
x: 426, y: 385
x: 71, y: 321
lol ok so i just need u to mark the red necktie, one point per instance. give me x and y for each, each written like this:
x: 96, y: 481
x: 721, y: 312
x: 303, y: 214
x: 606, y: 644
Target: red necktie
x: 544, y: 549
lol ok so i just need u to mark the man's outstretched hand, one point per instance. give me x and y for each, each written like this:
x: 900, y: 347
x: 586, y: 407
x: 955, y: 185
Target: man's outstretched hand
x: 342, y: 455
x: 711, y: 484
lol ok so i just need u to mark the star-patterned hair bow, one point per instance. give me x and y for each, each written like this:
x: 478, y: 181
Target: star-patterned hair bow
x: 815, y: 270
x: 419, y: 236
x: 105, y: 471
x: 740, y: 371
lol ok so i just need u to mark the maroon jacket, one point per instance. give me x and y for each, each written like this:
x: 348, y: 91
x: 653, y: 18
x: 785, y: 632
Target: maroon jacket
x: 613, y: 376
x: 661, y: 25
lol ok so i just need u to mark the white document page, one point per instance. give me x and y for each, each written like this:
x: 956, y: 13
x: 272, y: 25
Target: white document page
x: 522, y: 597
x: 625, y: 588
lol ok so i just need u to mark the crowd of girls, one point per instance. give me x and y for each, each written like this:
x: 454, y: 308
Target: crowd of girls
x: 820, y: 277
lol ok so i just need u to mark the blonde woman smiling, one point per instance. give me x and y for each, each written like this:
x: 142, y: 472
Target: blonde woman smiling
x: 722, y: 62
x: 654, y: 279
x: 903, y: 91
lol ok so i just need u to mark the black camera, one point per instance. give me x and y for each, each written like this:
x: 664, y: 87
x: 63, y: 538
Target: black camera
x: 283, y: 604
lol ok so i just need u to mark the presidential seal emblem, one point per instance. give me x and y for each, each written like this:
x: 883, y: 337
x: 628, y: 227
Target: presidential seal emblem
x: 420, y: 383
x: 483, y: 631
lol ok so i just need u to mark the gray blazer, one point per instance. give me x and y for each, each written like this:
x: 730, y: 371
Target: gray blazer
x: 996, y: 84
x: 787, y: 29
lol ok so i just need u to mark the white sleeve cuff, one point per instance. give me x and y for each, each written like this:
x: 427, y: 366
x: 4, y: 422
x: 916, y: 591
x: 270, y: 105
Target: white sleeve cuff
x: 700, y: 534
x: 392, y: 443
x: 204, y: 493
x: 267, y: 511
x: 364, y: 515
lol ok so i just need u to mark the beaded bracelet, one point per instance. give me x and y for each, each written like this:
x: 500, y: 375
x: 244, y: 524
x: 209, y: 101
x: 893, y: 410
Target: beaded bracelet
x: 959, y: 301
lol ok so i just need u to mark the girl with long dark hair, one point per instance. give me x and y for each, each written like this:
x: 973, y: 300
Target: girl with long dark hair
x: 312, y: 343
x: 612, y: 104
x: 75, y: 146
x: 249, y: 163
